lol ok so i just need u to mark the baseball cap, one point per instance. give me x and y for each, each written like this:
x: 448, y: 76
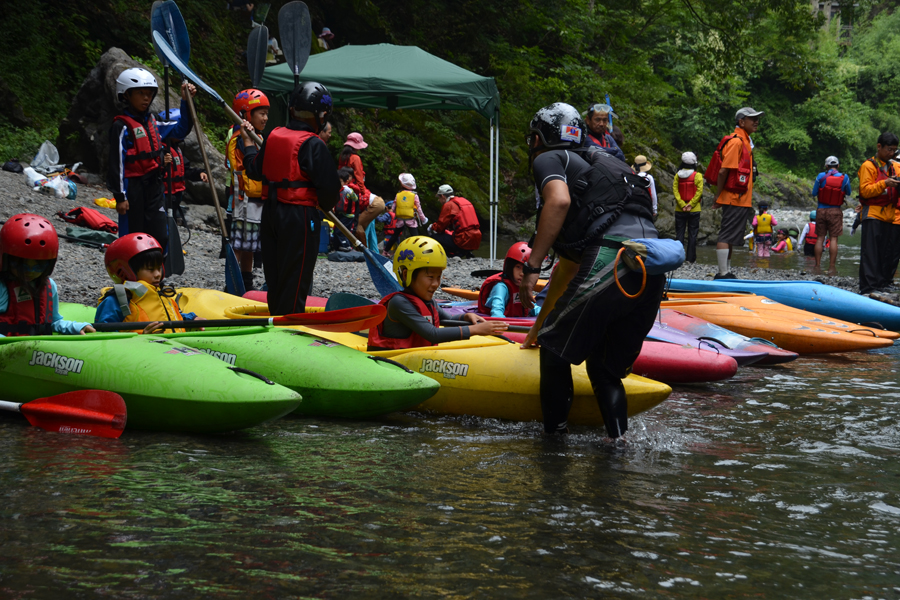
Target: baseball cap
x: 832, y: 161
x: 746, y: 112
x: 445, y: 190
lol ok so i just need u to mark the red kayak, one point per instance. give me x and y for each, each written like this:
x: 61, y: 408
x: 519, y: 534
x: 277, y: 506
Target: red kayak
x: 673, y: 363
x: 703, y: 329
x: 260, y: 296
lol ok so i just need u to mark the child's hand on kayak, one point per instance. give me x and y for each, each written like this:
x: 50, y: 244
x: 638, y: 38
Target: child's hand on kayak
x: 87, y: 329
x: 488, y: 328
x: 154, y: 326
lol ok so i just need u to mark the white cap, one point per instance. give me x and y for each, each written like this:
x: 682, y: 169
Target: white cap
x: 746, y: 112
x: 832, y: 161
x: 689, y: 158
x: 445, y: 190
x: 407, y: 181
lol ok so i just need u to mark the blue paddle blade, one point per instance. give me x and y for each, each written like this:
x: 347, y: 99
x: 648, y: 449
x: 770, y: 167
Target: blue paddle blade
x: 382, y: 278
x: 160, y: 42
x: 167, y: 20
x: 234, y: 283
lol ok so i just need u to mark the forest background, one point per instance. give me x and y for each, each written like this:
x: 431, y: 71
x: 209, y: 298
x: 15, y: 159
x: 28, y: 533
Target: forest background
x: 676, y: 71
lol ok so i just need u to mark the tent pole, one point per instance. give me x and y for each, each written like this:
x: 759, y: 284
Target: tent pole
x: 491, y: 196
x: 497, y: 184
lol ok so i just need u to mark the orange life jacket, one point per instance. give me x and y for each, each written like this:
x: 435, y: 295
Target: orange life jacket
x: 832, y: 193
x: 145, y: 154
x: 281, y: 169
x: 514, y: 307
x: 429, y: 311
x: 26, y: 314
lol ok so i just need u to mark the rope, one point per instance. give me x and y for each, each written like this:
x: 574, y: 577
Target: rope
x: 616, y: 275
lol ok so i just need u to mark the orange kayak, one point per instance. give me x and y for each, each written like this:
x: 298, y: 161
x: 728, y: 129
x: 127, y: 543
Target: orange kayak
x: 793, y: 335
x: 769, y: 307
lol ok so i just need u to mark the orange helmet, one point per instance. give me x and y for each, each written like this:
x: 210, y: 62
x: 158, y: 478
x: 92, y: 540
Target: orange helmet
x: 239, y: 104
x: 247, y: 100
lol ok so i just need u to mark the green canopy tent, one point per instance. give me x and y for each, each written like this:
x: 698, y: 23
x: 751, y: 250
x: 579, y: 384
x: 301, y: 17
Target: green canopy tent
x: 401, y: 77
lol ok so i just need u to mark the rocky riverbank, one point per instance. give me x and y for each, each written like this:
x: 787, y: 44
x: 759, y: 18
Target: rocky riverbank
x: 81, y: 275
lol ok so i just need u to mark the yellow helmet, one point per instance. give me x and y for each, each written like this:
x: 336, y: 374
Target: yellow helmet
x: 417, y: 252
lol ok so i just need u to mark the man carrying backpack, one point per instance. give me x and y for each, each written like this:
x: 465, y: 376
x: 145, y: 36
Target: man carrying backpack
x: 830, y: 188
x: 589, y: 204
x: 731, y: 171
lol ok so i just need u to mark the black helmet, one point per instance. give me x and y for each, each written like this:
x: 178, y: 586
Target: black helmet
x: 559, y: 126
x: 314, y: 98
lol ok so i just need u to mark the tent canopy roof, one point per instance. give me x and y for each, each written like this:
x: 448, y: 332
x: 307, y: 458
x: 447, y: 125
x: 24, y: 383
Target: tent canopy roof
x: 391, y: 77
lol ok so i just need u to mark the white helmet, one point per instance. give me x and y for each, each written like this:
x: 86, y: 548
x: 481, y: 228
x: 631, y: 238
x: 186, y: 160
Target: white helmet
x: 832, y: 161
x: 134, y: 78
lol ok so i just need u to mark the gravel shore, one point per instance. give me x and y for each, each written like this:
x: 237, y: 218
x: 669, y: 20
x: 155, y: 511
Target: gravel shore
x: 80, y: 274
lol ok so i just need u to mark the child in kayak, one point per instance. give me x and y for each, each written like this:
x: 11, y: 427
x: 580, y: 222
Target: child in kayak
x: 413, y: 318
x: 503, y: 300
x: 134, y: 262
x: 782, y: 242
x: 29, y: 302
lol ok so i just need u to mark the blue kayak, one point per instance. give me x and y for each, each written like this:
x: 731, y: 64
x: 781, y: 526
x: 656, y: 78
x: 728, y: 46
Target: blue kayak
x: 806, y: 295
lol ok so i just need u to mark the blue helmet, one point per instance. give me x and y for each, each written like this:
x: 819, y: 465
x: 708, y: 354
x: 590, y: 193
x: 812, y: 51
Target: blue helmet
x: 174, y: 114
x: 812, y: 215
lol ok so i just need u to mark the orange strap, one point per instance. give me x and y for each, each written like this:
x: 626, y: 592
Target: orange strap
x: 616, y: 275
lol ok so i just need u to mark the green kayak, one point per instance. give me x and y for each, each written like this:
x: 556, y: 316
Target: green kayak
x: 167, y: 386
x: 334, y: 380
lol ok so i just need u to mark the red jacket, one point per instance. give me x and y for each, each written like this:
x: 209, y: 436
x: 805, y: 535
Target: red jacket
x: 459, y: 218
x: 26, y: 315
x: 514, y: 307
x: 145, y: 154
x: 281, y: 168
x: 376, y: 334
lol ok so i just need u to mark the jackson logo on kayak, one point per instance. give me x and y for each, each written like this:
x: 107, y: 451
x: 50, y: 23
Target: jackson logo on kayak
x: 63, y: 365
x: 448, y: 369
x: 229, y: 358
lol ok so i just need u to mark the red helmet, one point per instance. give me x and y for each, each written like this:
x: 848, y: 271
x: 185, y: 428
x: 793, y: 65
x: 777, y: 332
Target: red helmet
x: 519, y: 252
x: 28, y: 236
x: 123, y: 250
x: 239, y: 104
x: 256, y: 100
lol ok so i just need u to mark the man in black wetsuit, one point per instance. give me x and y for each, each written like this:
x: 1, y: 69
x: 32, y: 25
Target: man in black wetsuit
x: 299, y: 177
x: 588, y: 204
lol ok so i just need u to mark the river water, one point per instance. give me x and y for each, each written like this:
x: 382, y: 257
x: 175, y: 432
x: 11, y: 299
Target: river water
x: 780, y: 483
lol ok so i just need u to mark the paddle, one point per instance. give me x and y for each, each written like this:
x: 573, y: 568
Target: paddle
x: 382, y: 278
x: 257, y: 45
x: 485, y: 273
x: 166, y: 18
x: 345, y: 320
x: 83, y: 412
x: 340, y: 300
x: 296, y: 36
x: 179, y: 65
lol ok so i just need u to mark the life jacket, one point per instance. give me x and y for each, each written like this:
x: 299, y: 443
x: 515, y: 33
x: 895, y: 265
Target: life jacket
x: 514, y: 307
x: 281, y: 169
x: 888, y: 196
x: 738, y: 179
x: 90, y: 218
x: 361, y: 185
x: 363, y: 202
x: 466, y: 218
x: 599, y: 196
x: 429, y: 311
x: 405, y: 205
x: 145, y: 154
x: 790, y: 244
x: 603, y: 141
x: 177, y: 168
x: 26, y: 314
x: 391, y: 227
x: 687, y: 187
x: 141, y: 301
x: 764, y: 224
x: 832, y: 193
x: 811, y: 235
x: 345, y: 205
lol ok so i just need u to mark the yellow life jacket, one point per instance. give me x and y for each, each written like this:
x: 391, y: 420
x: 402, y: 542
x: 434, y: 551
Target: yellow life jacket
x: 764, y: 224
x: 405, y: 207
x: 790, y: 244
x: 140, y: 301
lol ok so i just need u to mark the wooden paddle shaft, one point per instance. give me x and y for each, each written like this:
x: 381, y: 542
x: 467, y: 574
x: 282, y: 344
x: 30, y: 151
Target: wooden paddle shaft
x: 212, y: 184
x: 343, y: 229
x: 238, y: 120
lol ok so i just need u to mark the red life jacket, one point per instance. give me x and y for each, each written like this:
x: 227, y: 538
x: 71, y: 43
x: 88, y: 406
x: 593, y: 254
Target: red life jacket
x: 811, y: 235
x: 391, y: 227
x: 90, y: 218
x: 739, y: 179
x: 177, y: 168
x: 887, y: 197
x: 513, y: 308
x: 362, y: 205
x: 26, y: 315
x: 145, y: 154
x: 467, y: 218
x: 832, y: 193
x: 429, y: 311
x: 344, y: 205
x: 281, y: 171
x: 687, y: 188
x: 602, y: 142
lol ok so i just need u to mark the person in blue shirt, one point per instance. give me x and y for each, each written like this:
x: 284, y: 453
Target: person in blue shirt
x: 597, y: 121
x: 830, y: 188
x: 29, y: 299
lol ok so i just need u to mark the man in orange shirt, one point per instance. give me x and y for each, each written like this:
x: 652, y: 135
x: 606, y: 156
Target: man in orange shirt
x: 735, y: 188
x: 879, y: 183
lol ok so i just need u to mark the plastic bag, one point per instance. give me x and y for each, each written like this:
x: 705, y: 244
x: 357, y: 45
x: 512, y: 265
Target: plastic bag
x: 60, y: 187
x: 47, y: 159
x: 35, y: 179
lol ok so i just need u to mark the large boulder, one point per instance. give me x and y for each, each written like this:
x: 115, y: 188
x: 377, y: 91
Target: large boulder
x: 84, y: 133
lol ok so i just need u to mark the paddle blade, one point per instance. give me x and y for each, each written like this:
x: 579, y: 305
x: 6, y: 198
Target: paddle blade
x: 160, y: 42
x: 84, y: 412
x: 234, y: 282
x: 167, y: 20
x: 174, y: 264
x: 383, y: 279
x: 257, y: 43
x: 296, y: 34
x: 345, y: 320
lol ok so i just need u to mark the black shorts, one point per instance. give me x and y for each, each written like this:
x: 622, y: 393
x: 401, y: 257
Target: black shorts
x: 734, y: 224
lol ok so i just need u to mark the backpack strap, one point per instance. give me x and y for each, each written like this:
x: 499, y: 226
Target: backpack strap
x: 122, y: 298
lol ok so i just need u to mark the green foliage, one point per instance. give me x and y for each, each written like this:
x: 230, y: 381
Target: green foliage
x: 22, y: 144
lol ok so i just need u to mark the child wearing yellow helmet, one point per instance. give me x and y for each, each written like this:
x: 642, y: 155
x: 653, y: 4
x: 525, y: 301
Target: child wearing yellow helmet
x: 413, y: 318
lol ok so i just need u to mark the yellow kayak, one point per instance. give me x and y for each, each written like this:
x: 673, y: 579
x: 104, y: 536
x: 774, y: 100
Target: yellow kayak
x: 488, y: 377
